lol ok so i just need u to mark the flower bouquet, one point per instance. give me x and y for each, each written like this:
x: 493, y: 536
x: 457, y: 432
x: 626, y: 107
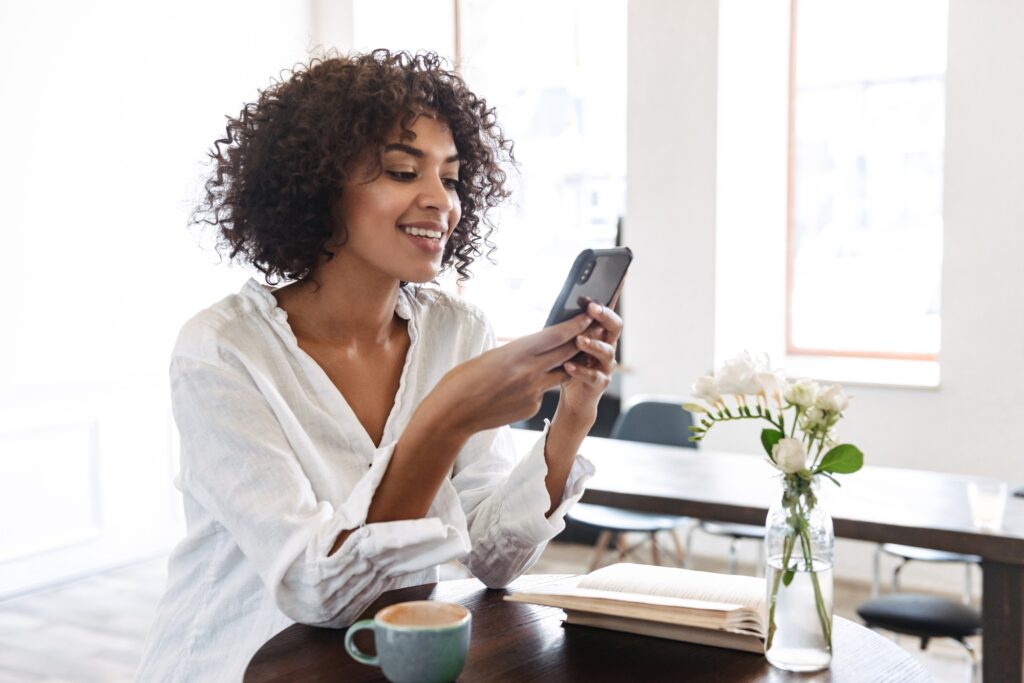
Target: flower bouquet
x: 800, y: 442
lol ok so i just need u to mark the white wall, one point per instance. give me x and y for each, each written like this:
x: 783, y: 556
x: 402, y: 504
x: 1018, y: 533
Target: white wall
x: 108, y: 111
x: 970, y: 423
x: 670, y: 193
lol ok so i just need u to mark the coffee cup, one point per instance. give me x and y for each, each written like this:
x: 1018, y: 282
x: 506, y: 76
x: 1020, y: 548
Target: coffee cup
x: 417, y: 642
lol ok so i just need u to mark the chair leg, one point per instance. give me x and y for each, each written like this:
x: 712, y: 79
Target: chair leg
x: 680, y: 553
x: 896, y: 575
x: 599, y: 548
x: 973, y: 654
x: 654, y: 548
x: 732, y: 555
x: 623, y: 546
x: 876, y: 577
x: 688, y: 549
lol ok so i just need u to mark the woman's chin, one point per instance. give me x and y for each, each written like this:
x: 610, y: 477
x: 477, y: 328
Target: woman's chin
x: 421, y: 276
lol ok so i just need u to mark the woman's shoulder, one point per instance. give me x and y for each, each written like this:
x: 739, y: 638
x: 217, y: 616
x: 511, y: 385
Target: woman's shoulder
x: 446, y: 308
x: 230, y: 325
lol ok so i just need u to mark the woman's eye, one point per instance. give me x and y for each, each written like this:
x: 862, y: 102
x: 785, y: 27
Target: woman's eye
x: 404, y: 176
x: 451, y: 183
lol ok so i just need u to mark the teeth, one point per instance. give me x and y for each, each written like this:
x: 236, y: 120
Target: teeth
x: 422, y: 232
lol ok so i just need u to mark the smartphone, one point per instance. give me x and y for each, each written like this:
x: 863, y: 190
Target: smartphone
x: 596, y: 275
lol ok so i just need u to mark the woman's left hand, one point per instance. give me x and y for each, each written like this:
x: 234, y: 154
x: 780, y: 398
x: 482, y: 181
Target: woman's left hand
x: 590, y: 376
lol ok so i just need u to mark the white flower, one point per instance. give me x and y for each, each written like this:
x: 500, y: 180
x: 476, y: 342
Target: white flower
x: 771, y: 383
x: 833, y: 399
x: 813, y: 419
x: 738, y: 375
x: 803, y: 393
x: 706, y: 389
x: 789, y: 455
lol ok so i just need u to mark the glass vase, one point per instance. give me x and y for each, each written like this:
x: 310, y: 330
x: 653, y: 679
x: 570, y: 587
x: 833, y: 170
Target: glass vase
x: 799, y: 548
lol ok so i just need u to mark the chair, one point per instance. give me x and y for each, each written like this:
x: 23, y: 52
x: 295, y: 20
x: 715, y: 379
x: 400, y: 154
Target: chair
x: 907, y: 553
x: 648, y: 419
x: 736, y: 533
x: 918, y: 615
x: 924, y: 617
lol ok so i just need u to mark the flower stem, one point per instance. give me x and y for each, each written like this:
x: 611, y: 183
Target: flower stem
x: 819, y: 600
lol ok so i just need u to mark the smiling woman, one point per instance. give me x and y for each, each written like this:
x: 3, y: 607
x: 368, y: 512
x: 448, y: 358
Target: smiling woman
x: 347, y: 432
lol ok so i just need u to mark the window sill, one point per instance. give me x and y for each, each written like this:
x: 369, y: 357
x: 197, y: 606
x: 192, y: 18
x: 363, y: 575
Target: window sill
x: 877, y: 372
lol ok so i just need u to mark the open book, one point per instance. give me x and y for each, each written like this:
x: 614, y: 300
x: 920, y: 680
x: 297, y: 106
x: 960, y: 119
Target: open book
x: 720, y: 610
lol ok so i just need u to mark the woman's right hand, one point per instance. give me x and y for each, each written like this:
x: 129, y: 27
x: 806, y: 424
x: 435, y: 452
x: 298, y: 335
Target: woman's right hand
x: 507, y: 384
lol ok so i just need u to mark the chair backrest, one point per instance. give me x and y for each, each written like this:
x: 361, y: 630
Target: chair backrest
x: 655, y: 420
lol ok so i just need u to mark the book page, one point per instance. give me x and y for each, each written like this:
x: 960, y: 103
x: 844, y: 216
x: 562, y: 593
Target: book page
x: 746, y: 591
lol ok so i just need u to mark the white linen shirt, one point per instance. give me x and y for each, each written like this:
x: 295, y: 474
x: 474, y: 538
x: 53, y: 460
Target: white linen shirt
x: 275, y: 465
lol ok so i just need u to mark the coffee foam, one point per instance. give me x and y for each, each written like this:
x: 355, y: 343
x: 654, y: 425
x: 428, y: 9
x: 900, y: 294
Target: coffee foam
x: 422, y: 613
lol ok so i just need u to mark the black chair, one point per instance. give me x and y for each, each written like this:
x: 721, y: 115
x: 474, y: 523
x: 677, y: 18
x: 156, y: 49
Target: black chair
x: 918, y: 615
x: 924, y: 617
x: 649, y: 419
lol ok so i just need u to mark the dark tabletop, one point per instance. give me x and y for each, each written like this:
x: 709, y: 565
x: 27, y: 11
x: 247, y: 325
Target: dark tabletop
x: 519, y: 642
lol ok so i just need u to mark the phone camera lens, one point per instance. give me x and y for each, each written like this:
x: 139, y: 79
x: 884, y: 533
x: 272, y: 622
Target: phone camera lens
x: 587, y: 270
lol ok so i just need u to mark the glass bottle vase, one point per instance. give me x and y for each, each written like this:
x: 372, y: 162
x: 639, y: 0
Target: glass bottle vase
x: 799, y: 549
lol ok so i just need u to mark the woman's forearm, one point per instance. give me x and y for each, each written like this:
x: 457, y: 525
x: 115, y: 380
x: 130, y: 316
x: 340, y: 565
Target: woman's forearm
x: 565, y: 436
x: 422, y: 459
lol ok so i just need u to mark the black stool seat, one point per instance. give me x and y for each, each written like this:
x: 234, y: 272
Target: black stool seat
x: 923, y: 616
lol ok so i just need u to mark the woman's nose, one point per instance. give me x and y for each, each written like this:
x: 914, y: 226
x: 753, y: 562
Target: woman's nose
x: 434, y: 195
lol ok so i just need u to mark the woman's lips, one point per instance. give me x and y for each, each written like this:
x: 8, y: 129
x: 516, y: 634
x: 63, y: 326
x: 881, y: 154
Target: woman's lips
x: 426, y: 244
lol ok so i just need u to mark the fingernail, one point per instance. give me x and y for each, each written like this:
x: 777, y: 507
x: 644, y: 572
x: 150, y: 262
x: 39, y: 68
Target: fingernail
x: 571, y: 367
x: 595, y: 308
x: 583, y: 340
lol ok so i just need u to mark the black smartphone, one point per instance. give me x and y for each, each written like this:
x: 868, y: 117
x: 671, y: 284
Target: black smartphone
x: 596, y: 275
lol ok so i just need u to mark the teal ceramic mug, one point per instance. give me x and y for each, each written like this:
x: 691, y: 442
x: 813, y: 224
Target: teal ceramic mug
x: 417, y: 642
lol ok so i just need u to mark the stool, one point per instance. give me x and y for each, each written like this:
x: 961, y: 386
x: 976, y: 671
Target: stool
x: 908, y: 553
x: 736, y: 533
x: 924, y: 617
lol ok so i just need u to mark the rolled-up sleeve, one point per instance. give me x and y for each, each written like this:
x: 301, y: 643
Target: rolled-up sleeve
x: 238, y: 465
x: 506, y: 500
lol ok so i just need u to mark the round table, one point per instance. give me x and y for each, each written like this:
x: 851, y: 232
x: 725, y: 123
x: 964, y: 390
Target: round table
x: 514, y: 641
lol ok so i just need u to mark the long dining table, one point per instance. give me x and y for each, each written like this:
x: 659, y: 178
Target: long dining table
x: 877, y: 504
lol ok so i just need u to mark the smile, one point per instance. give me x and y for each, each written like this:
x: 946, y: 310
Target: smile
x: 423, y: 232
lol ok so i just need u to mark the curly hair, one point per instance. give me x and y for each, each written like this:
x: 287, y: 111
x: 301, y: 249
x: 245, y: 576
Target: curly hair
x: 280, y: 167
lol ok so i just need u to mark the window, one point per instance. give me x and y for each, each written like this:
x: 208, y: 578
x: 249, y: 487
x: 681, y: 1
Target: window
x: 865, y: 210
x: 564, y: 106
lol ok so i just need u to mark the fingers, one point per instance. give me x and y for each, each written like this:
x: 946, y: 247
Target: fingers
x: 555, y: 357
x: 554, y: 378
x: 556, y: 335
x: 594, y: 378
x: 608, y: 319
x: 602, y: 353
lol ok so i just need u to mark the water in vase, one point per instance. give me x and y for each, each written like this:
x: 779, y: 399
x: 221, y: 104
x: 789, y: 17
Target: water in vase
x: 799, y: 643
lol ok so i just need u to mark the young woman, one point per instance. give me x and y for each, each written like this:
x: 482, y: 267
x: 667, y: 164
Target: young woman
x: 346, y: 433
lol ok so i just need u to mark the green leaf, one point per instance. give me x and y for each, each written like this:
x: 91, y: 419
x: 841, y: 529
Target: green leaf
x: 843, y: 459
x: 831, y: 478
x: 770, y: 437
x: 694, y: 428
x: 787, y: 578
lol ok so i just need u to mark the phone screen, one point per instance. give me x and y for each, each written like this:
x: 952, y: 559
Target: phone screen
x: 596, y: 275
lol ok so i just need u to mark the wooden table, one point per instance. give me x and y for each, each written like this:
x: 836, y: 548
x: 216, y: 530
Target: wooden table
x: 517, y: 642
x: 880, y: 504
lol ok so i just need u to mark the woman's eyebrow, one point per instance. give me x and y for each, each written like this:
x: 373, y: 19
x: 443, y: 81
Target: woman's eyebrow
x: 412, y: 151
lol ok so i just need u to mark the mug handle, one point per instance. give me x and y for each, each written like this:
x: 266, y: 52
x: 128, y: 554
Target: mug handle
x: 353, y: 649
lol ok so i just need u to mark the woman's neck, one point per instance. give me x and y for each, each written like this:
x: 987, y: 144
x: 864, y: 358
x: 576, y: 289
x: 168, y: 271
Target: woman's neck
x: 348, y: 308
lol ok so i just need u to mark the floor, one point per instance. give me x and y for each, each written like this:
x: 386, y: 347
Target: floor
x: 91, y: 630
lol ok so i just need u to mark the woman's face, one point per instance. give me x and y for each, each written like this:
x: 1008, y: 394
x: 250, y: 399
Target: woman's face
x: 399, y: 222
